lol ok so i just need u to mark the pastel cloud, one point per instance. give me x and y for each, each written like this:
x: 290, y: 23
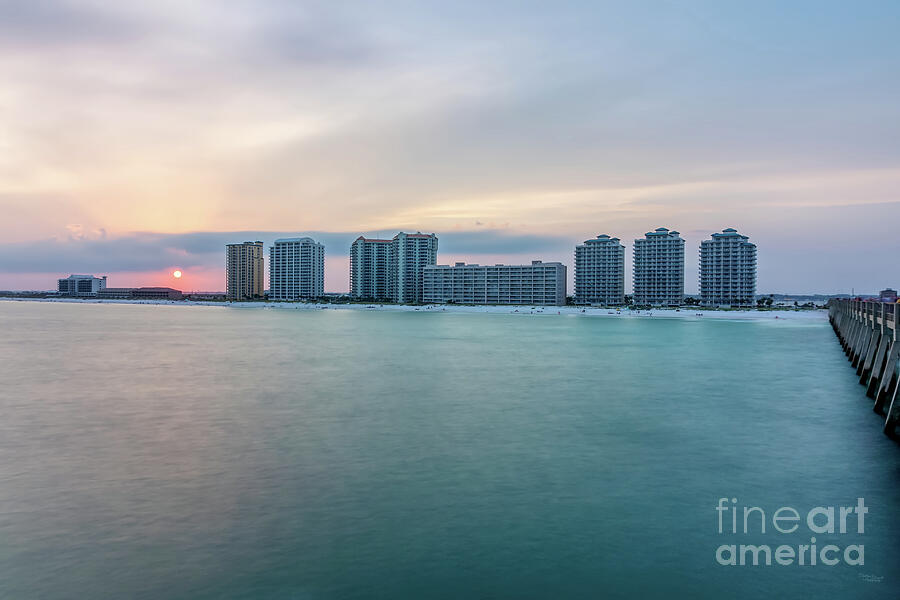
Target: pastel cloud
x: 548, y: 123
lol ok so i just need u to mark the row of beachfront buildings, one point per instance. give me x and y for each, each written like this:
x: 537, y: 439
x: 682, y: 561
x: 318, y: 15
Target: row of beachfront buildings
x: 88, y: 286
x: 404, y: 269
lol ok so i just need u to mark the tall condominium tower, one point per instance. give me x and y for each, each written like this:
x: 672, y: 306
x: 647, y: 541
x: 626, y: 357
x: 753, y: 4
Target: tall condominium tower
x: 411, y: 253
x: 391, y: 269
x: 244, y: 271
x: 659, y: 269
x: 296, y: 269
x: 600, y: 271
x: 727, y: 270
x: 369, y: 259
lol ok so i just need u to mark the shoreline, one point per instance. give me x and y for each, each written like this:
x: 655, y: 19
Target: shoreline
x: 685, y: 312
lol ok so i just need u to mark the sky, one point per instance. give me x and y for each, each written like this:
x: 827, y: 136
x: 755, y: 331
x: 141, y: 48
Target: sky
x: 137, y: 138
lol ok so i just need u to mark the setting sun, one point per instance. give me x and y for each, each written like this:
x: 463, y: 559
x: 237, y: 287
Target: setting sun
x: 177, y: 274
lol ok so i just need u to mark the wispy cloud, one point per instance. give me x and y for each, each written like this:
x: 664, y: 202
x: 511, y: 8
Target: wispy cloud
x: 48, y: 24
x: 527, y: 119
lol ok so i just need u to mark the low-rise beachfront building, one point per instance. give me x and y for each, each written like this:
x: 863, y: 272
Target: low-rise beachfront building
x: 206, y: 296
x: 141, y: 293
x: 296, y: 269
x: 600, y: 272
x: 727, y: 270
x: 659, y: 269
x: 80, y: 285
x: 538, y: 283
x: 156, y: 293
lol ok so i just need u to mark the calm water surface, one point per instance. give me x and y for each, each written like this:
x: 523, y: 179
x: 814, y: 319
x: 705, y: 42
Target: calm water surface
x: 208, y: 452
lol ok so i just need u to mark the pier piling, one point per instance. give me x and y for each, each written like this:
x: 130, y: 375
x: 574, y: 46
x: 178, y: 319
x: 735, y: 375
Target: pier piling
x: 868, y: 334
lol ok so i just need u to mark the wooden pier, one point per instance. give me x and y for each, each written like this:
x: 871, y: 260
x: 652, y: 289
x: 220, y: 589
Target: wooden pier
x: 868, y: 333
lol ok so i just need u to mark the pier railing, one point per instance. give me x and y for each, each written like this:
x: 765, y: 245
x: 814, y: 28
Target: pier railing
x: 868, y: 332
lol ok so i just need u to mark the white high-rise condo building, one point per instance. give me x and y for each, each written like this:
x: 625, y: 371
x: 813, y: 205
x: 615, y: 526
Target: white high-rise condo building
x: 296, y: 269
x: 244, y: 271
x: 727, y: 270
x: 391, y: 269
x: 600, y: 271
x: 659, y: 269
x: 369, y: 259
x: 412, y: 253
x: 537, y: 283
x: 81, y: 285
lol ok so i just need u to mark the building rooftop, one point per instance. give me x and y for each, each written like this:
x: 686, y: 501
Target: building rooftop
x: 296, y: 239
x: 602, y: 238
x: 730, y: 232
x: 417, y: 234
x: 534, y: 263
x: 662, y: 231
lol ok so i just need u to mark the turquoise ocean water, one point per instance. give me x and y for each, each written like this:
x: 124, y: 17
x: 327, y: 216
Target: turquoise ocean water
x: 207, y: 452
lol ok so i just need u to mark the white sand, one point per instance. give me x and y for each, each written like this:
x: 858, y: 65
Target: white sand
x: 687, y: 312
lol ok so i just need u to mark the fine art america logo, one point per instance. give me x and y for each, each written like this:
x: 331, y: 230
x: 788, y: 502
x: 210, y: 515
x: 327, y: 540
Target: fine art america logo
x: 821, y: 520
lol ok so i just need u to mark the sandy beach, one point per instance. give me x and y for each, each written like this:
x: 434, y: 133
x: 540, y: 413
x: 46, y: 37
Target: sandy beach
x: 683, y: 313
